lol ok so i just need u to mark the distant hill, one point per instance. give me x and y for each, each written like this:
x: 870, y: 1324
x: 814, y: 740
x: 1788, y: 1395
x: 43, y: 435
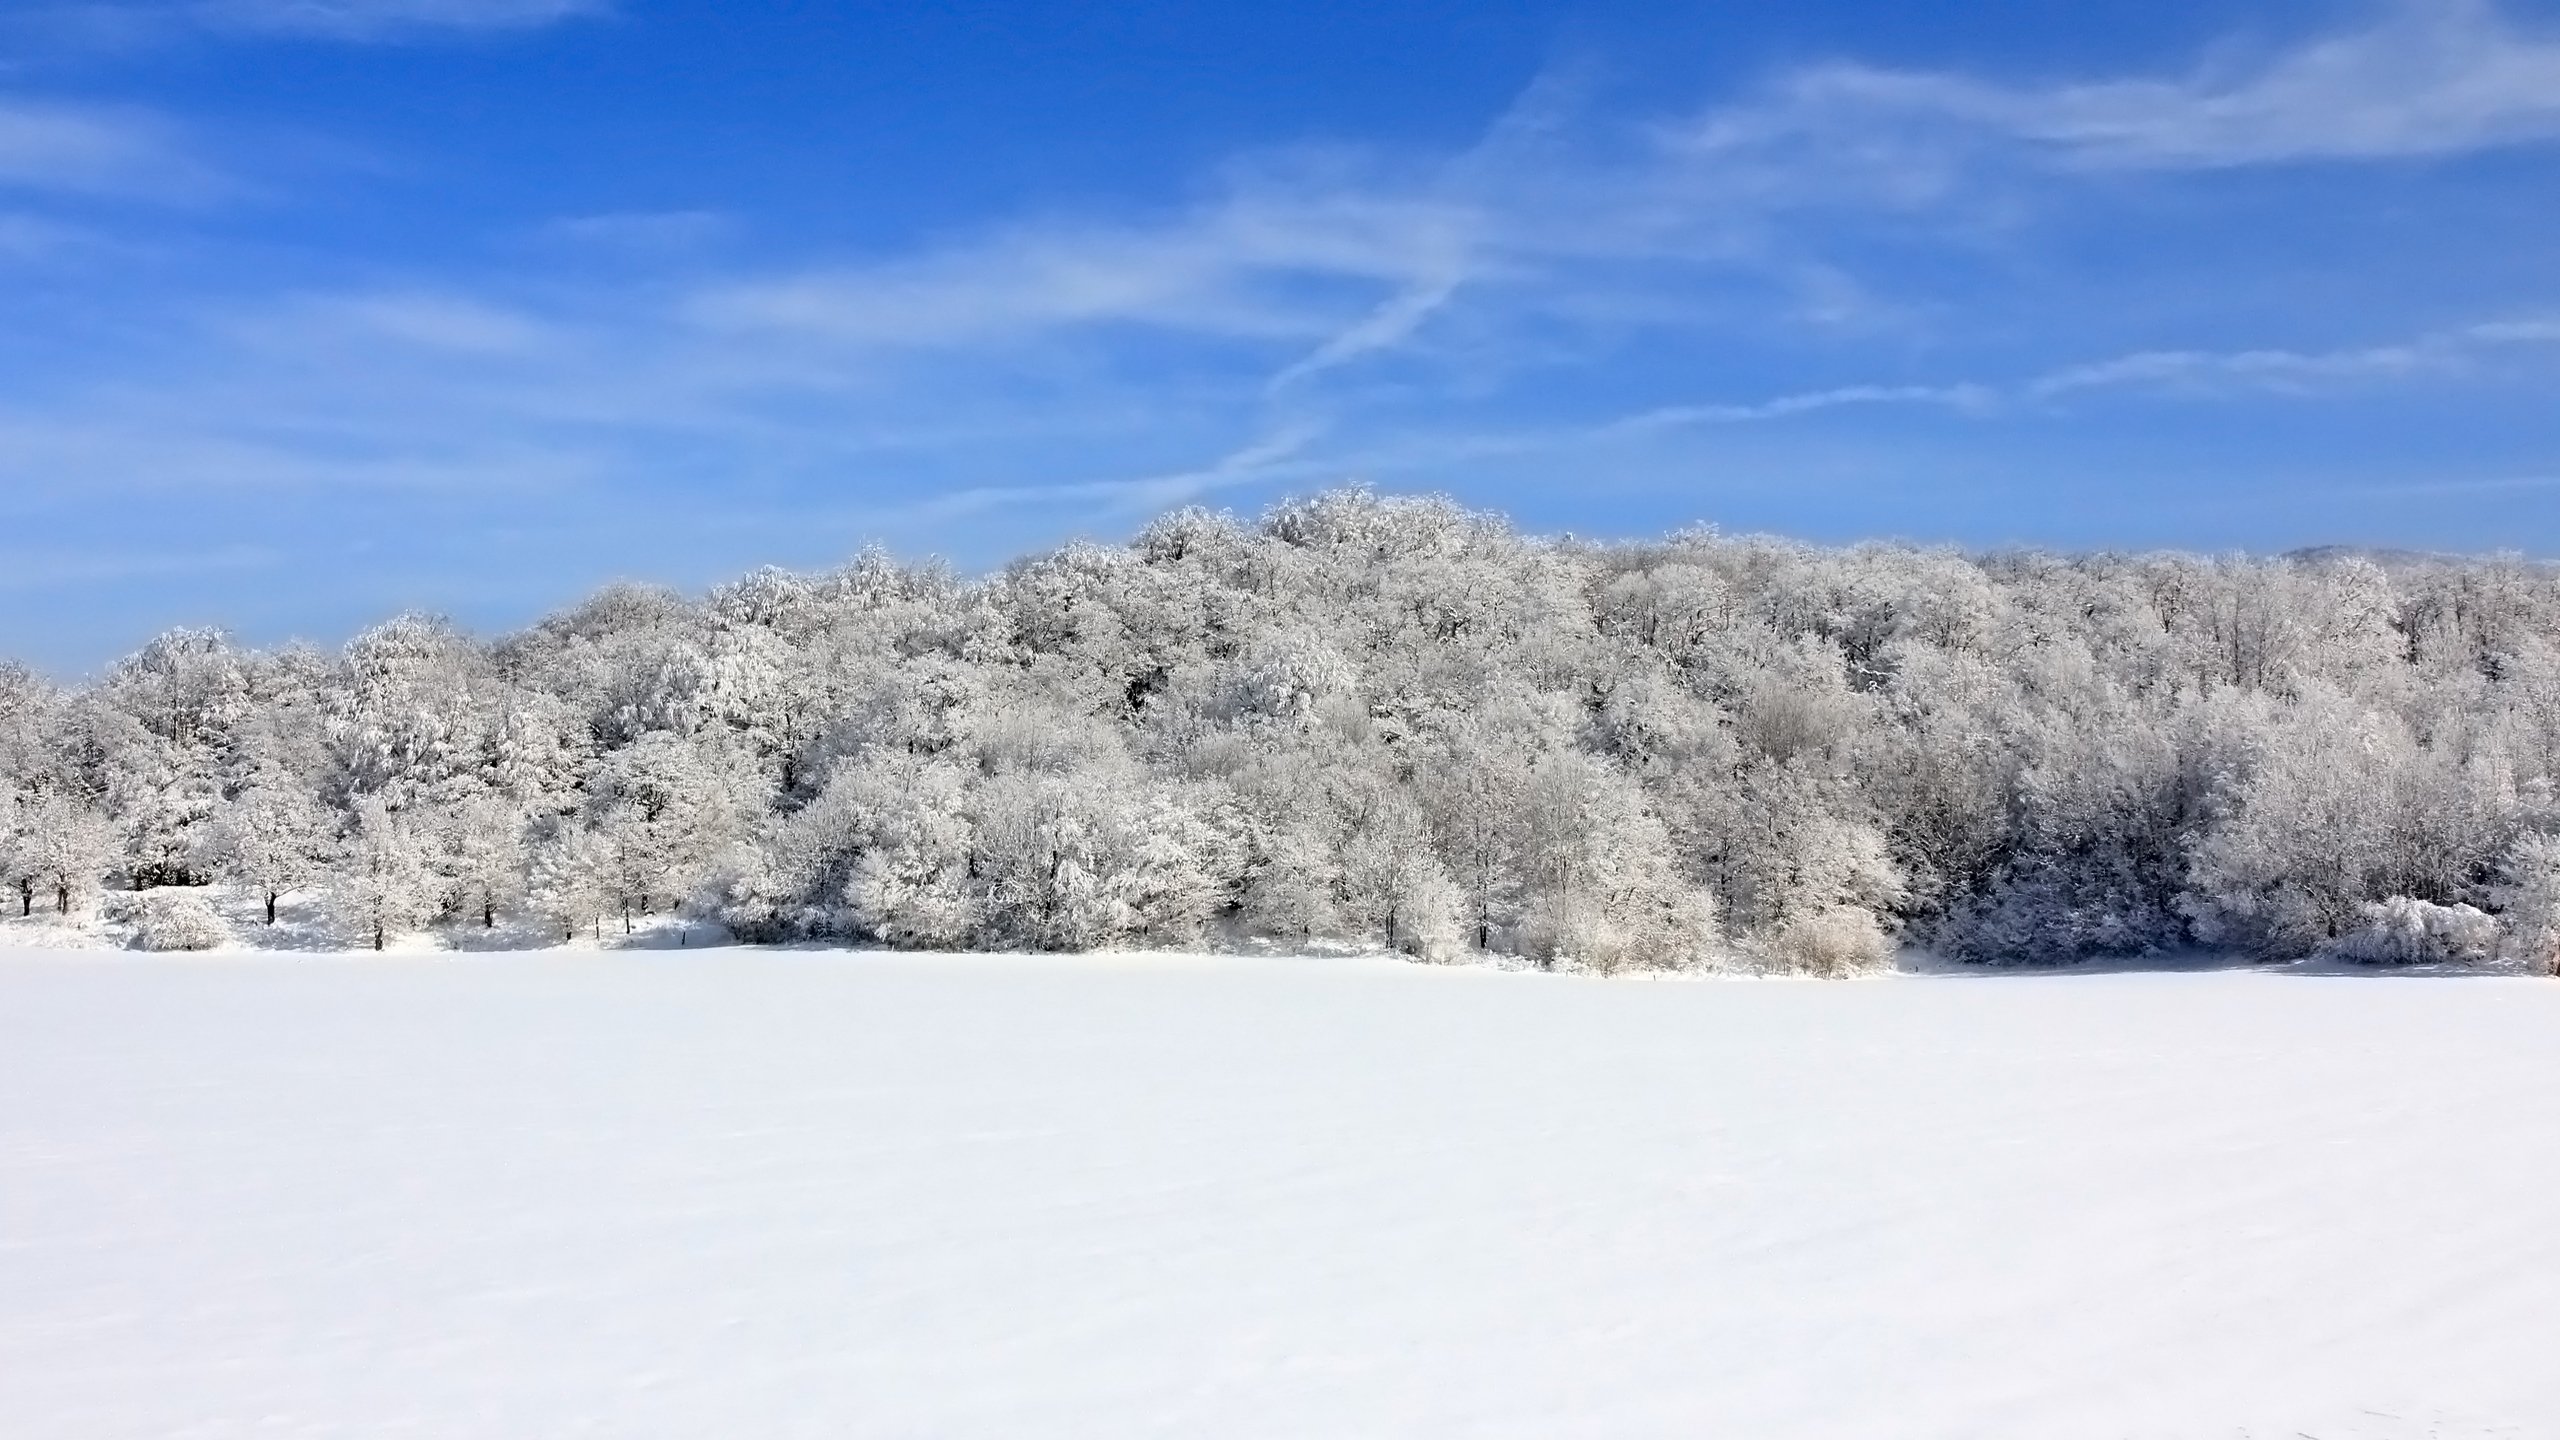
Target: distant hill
x: 2393, y: 557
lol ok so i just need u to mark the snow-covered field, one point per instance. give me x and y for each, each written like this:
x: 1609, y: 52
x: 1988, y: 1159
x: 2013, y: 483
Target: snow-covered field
x: 806, y: 1194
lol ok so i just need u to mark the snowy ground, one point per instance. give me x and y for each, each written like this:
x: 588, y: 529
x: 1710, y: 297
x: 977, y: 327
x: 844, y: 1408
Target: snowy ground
x: 803, y: 1194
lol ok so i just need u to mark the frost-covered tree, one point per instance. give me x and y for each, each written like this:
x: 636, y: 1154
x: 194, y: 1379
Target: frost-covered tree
x: 907, y: 830
x: 381, y: 882
x: 662, y: 810
x: 408, y: 713
x: 1175, y: 869
x: 1598, y: 883
x: 570, y: 881
x: 273, y: 837
x: 1395, y: 887
x: 17, y: 859
x: 1471, y: 795
x: 2528, y: 900
x: 63, y: 850
x: 1294, y: 879
x: 1047, y: 858
x: 482, y: 856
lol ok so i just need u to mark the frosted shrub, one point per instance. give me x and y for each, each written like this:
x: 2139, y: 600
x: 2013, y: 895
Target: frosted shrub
x: 1664, y: 931
x: 2324, y: 810
x: 1833, y: 944
x: 1425, y: 921
x: 911, y: 887
x: 742, y: 891
x: 176, y: 920
x: 1553, y: 933
x: 2404, y: 931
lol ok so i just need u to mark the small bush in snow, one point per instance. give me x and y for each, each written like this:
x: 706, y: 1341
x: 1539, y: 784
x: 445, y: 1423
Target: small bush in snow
x: 2404, y: 931
x: 1833, y: 943
x: 176, y: 920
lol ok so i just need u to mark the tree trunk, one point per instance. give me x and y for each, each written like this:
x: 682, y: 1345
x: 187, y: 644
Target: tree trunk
x: 62, y: 899
x: 271, y: 907
x: 488, y: 914
x: 377, y: 937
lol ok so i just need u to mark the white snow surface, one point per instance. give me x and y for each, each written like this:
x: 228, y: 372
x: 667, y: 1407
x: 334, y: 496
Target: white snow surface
x: 777, y: 1194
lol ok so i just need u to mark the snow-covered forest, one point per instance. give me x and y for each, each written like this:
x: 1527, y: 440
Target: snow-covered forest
x: 1371, y: 720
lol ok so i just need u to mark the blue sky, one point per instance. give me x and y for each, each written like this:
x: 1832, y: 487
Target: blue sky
x: 315, y: 310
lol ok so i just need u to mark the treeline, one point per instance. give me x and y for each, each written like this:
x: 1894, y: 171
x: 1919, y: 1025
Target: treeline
x: 1373, y: 719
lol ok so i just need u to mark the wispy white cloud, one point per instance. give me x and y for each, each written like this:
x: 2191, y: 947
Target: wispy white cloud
x: 42, y: 570
x: 2225, y: 371
x: 111, y: 25
x: 1323, y: 257
x: 2432, y: 77
x: 33, y: 237
x: 2515, y: 332
x: 1246, y: 264
x: 1267, y: 457
x: 457, y: 323
x: 2462, y: 485
x: 644, y: 233
x: 82, y: 149
x: 1672, y: 417
x: 174, y: 446
x: 1387, y: 324
x: 2180, y: 372
x: 376, y: 19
